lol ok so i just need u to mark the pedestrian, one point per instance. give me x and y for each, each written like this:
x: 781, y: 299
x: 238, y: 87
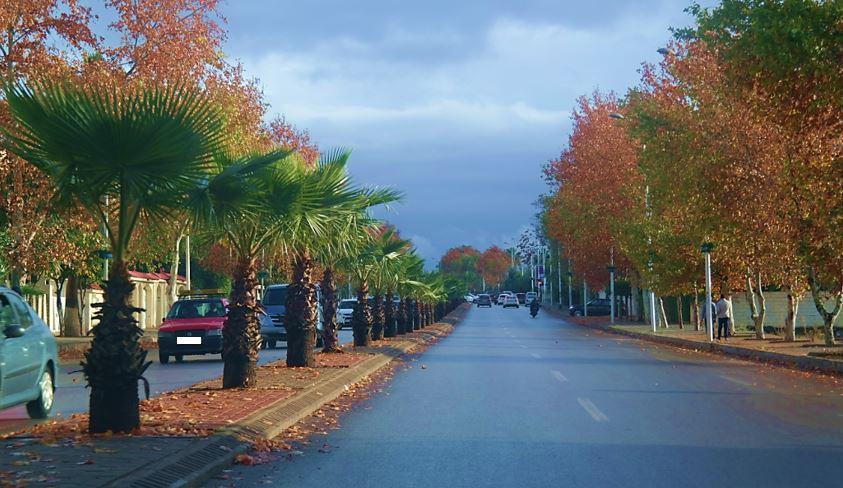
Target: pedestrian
x: 723, y: 308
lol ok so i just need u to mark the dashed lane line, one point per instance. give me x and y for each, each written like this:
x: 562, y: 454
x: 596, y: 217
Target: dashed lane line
x: 736, y: 381
x: 592, y: 410
x: 559, y: 376
x: 537, y: 356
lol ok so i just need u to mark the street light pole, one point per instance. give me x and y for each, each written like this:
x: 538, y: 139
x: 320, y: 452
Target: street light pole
x: 612, y: 285
x: 584, y: 298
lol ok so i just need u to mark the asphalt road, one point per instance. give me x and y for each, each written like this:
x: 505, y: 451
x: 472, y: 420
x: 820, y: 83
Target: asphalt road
x: 72, y: 396
x: 511, y: 401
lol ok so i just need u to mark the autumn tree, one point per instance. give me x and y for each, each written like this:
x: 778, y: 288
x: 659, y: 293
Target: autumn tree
x: 493, y: 265
x: 461, y: 263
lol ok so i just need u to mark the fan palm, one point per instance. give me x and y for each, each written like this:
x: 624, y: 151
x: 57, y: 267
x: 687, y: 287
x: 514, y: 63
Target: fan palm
x: 409, y: 286
x: 122, y: 156
x: 379, y: 247
x: 305, y: 237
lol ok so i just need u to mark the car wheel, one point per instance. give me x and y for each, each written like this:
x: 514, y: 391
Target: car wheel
x: 40, y: 407
x: 577, y: 314
x: 179, y: 358
x: 163, y: 358
x: 271, y: 343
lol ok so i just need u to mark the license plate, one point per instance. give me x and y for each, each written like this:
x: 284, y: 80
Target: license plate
x: 193, y: 341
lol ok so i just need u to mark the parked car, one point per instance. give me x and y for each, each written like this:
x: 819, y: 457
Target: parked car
x: 596, y: 308
x: 483, y: 300
x: 510, y: 301
x: 344, y: 312
x: 522, y: 298
x: 530, y: 296
x: 192, y: 327
x: 28, y: 357
x: 470, y: 298
x: 275, y: 304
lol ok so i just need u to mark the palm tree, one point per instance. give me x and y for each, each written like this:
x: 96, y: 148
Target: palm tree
x: 303, y: 236
x: 380, y: 246
x: 411, y: 271
x: 123, y: 156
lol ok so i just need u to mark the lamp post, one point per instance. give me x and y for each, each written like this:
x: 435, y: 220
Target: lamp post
x: 584, y: 298
x: 612, y: 293
x: 706, y: 249
x: 570, y: 285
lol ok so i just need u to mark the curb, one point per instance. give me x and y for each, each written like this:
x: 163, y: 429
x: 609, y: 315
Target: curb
x: 806, y: 363
x: 208, y: 456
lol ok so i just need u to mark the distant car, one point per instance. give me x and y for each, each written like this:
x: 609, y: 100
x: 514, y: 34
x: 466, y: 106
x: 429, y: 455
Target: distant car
x: 344, y: 312
x: 502, y: 298
x: 522, y: 298
x: 510, y: 301
x: 28, y: 357
x: 530, y: 296
x: 470, y: 298
x: 193, y: 327
x: 270, y: 332
x: 483, y: 301
x: 596, y: 308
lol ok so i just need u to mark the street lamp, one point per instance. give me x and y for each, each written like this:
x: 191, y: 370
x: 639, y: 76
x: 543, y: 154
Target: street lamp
x: 612, y: 293
x: 706, y: 249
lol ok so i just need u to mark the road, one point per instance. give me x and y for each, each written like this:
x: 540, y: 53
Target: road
x: 511, y: 401
x: 72, y: 396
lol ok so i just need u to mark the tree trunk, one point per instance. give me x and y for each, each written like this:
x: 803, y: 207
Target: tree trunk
x: 790, y: 320
x: 662, y: 314
x: 417, y: 325
x: 60, y: 282
x: 757, y: 315
x: 301, y: 314
x: 640, y: 305
x: 697, y: 318
x: 390, y: 328
x: 377, y: 317
x: 679, y: 311
x: 241, y: 330
x: 361, y: 319
x: 116, y: 360
x: 72, y: 324
x: 174, y: 272
x: 828, y: 317
x: 330, y: 339
x: 403, y: 320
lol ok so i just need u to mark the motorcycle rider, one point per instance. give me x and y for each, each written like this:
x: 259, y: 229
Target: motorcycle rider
x: 534, y: 307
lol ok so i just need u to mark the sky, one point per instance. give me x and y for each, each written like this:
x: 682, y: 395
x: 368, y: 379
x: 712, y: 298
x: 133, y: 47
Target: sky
x: 458, y: 104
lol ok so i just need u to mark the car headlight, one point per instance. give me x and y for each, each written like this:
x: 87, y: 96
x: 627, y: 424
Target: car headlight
x: 214, y: 332
x: 165, y: 334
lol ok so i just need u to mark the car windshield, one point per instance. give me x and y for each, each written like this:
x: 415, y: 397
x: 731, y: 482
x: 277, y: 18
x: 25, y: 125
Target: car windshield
x: 275, y: 296
x: 347, y: 303
x: 197, y: 309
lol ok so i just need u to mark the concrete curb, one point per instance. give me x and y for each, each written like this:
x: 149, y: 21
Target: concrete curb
x: 208, y: 456
x: 806, y: 363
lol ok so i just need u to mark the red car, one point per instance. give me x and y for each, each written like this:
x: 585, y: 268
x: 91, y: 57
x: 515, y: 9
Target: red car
x: 193, y: 326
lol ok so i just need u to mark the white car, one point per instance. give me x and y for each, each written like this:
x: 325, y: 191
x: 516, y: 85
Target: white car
x: 470, y: 298
x: 531, y: 295
x: 502, y: 298
x: 510, y: 301
x: 344, y: 311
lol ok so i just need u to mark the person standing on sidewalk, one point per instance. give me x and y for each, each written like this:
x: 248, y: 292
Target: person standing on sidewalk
x: 722, y: 308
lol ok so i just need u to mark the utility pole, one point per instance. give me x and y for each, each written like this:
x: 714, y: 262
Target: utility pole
x: 187, y: 261
x: 612, y: 284
x: 559, y: 270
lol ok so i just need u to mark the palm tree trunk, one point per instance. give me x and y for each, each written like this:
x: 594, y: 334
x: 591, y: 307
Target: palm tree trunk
x: 72, y: 324
x: 377, y: 318
x: 116, y: 360
x: 301, y: 314
x: 330, y: 340
x: 402, y: 317
x: 418, y: 316
x: 241, y: 330
x: 390, y: 328
x: 361, y: 319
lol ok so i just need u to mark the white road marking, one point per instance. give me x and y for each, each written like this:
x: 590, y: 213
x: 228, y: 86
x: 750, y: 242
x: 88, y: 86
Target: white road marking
x: 559, y: 376
x: 537, y: 356
x: 592, y: 410
x: 736, y: 381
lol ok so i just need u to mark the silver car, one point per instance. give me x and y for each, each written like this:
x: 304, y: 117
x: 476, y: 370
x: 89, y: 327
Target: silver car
x: 28, y: 357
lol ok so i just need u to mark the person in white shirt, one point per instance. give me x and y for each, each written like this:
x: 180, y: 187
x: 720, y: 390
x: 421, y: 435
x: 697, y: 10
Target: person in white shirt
x: 722, y: 309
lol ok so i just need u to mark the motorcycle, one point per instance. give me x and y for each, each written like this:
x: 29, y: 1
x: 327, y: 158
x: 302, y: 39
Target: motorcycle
x: 534, y: 308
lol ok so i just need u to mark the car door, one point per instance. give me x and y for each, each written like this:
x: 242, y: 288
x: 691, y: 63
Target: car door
x: 18, y: 370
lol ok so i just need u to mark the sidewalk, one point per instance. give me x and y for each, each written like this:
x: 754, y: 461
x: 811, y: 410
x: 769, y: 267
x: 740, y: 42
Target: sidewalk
x: 802, y: 354
x: 189, y: 435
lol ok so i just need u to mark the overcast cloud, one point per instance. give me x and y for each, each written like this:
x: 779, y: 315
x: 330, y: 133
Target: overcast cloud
x: 458, y: 103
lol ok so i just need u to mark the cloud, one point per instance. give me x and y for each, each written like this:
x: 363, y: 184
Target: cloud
x: 458, y: 104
